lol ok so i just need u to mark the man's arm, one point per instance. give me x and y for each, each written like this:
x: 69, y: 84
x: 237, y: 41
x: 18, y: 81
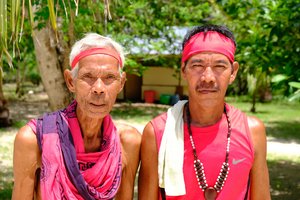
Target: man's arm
x: 131, y: 142
x: 25, y: 163
x: 148, y: 176
x: 259, y: 172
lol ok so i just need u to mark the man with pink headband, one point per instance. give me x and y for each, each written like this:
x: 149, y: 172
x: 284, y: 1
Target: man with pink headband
x: 204, y: 148
x: 78, y: 152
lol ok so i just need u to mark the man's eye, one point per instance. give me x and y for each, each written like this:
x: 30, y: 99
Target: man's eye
x: 87, y: 77
x: 197, y: 66
x: 110, y: 76
x: 220, y: 66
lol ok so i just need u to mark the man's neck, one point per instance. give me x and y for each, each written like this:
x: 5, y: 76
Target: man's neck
x: 204, y: 114
x: 90, y: 130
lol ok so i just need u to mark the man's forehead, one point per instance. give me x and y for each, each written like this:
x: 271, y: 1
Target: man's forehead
x: 209, y: 56
x: 108, y: 68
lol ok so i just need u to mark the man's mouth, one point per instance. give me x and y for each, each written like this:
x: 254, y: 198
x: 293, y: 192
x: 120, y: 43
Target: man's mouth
x: 206, y: 91
x: 97, y: 104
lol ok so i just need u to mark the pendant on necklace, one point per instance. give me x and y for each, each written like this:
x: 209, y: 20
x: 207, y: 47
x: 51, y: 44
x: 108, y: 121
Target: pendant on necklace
x: 210, y: 193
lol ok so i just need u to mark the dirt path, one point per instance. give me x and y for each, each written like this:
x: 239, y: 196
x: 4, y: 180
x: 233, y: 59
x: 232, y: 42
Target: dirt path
x: 283, y: 148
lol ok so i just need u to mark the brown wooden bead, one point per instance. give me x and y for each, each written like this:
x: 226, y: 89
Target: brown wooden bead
x: 210, y: 193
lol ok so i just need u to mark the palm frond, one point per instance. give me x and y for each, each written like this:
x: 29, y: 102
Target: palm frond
x: 3, y: 31
x: 31, y: 16
x: 52, y: 14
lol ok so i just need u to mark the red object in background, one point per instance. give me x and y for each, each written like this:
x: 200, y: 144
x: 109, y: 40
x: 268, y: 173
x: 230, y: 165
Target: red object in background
x: 149, y: 96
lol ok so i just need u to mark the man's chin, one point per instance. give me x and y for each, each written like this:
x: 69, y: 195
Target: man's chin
x: 97, y: 113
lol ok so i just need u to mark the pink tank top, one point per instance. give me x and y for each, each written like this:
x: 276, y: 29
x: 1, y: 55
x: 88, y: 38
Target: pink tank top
x: 210, y: 144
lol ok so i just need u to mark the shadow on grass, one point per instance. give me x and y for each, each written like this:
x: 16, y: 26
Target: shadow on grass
x: 284, y: 130
x: 284, y: 179
x: 6, y: 184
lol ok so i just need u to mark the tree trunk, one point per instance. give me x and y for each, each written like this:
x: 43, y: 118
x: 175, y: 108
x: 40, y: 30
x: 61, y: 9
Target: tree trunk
x: 253, y: 109
x: 4, y: 112
x: 20, y: 79
x: 50, y: 68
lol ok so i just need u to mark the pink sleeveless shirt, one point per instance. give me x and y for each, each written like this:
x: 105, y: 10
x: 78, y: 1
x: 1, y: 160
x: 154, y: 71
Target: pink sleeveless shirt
x: 210, y: 144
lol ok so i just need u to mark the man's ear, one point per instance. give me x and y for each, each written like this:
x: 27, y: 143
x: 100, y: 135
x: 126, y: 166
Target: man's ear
x: 183, y: 69
x: 235, y: 69
x: 123, y: 80
x: 69, y: 80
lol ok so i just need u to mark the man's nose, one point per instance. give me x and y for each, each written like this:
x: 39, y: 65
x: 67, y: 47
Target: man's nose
x: 208, y: 75
x: 98, y: 87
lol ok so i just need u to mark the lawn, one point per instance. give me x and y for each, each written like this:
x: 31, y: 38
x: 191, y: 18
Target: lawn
x: 282, y: 121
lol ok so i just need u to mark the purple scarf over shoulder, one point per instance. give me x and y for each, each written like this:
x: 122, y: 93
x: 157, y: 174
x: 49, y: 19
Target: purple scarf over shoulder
x: 60, y: 175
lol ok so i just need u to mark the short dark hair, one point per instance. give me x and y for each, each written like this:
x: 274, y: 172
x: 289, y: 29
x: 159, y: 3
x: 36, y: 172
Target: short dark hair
x: 205, y: 28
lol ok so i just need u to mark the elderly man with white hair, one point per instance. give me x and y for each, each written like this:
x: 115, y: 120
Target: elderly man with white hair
x: 78, y: 152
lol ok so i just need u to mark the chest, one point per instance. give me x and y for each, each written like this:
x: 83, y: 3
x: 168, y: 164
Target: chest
x: 211, y: 150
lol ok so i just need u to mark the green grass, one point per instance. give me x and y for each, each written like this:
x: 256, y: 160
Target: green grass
x: 282, y: 119
x: 284, y: 179
x: 6, y: 152
x: 137, y: 113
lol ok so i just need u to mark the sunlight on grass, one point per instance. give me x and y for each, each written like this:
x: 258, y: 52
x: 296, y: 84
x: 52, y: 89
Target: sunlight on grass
x: 277, y: 157
x: 282, y: 119
x: 6, y: 156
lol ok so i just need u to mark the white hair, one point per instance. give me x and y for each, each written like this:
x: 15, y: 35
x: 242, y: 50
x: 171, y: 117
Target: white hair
x: 94, y: 40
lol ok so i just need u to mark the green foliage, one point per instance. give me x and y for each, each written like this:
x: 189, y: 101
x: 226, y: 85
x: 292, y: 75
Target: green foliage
x: 267, y: 32
x: 296, y: 94
x: 147, y: 28
x: 278, y: 78
x: 295, y: 84
x: 133, y: 67
x: 19, y: 124
x: 35, y: 78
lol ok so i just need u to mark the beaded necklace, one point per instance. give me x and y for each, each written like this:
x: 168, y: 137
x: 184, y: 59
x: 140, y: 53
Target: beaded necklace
x: 210, y: 193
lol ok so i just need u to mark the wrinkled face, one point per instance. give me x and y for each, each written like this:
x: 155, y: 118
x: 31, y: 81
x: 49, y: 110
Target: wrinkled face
x: 97, y: 85
x: 208, y: 76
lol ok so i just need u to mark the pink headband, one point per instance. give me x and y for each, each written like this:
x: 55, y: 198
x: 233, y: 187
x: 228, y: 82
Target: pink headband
x: 93, y: 51
x: 211, y: 41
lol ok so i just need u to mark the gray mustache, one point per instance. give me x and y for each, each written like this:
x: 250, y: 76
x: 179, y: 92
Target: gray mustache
x: 210, y: 87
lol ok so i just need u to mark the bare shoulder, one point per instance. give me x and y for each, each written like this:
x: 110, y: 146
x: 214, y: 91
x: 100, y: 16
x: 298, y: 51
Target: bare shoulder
x: 255, y: 123
x: 149, y: 140
x: 26, y: 139
x: 128, y: 134
x: 26, y: 144
x: 27, y: 159
x: 148, y: 130
x: 256, y: 126
x: 258, y: 133
x: 149, y: 149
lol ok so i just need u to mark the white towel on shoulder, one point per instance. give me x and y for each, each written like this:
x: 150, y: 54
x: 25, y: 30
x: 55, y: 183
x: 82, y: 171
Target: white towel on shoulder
x: 171, y: 153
